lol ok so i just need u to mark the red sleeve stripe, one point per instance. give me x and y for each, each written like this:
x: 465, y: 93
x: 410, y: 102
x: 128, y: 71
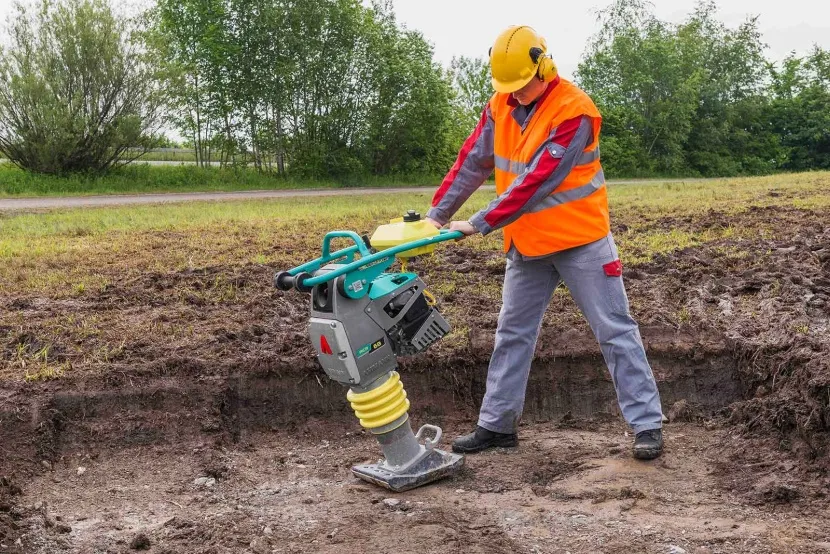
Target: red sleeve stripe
x: 462, y: 157
x: 524, y: 191
x: 565, y: 133
x: 520, y: 195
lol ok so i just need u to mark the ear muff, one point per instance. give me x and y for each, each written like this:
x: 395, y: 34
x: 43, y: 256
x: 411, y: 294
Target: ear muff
x: 546, y: 70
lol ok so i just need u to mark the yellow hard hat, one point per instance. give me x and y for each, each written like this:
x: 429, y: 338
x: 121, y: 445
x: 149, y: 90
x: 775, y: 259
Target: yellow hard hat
x: 518, y: 55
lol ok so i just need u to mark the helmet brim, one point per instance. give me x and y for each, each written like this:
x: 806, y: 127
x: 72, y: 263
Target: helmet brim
x: 508, y: 87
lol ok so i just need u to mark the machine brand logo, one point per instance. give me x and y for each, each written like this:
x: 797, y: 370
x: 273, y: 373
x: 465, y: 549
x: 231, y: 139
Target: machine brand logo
x: 363, y: 350
x: 324, y: 346
x: 374, y: 263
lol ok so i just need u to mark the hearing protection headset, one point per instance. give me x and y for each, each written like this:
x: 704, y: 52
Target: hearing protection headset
x: 546, y: 70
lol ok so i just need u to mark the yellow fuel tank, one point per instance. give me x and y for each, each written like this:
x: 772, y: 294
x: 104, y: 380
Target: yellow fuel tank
x: 402, y: 230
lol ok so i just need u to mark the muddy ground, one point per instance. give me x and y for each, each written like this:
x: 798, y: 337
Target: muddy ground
x: 564, y: 489
x: 169, y: 377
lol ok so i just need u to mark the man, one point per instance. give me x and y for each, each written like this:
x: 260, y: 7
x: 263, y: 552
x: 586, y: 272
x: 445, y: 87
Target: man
x: 540, y: 134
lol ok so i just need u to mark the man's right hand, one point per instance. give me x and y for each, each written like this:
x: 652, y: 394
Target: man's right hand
x: 433, y: 222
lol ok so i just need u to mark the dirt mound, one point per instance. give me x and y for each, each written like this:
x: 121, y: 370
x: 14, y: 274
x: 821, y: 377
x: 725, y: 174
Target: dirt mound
x: 769, y: 296
x: 225, y: 318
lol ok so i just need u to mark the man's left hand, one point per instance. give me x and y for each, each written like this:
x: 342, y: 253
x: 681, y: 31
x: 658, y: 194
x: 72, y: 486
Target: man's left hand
x: 465, y: 227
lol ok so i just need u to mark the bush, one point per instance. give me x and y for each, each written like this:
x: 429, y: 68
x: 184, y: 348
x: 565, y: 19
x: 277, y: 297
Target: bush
x: 75, y: 91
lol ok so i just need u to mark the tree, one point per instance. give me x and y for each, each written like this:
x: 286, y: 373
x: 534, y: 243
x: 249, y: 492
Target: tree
x: 410, y: 121
x: 473, y: 89
x: 680, y: 99
x: 731, y: 130
x: 316, y: 88
x: 188, y: 45
x: 634, y: 72
x: 76, y: 91
x: 801, y: 109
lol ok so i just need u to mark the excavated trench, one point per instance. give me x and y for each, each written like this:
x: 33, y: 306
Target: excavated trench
x: 108, y: 423
x: 171, y: 410
x: 719, y: 326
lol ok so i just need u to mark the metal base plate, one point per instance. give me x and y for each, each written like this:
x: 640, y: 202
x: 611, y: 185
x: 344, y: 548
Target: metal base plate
x: 436, y: 465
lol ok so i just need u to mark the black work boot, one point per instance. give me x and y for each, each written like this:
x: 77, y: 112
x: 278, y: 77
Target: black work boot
x: 482, y: 439
x: 648, y: 444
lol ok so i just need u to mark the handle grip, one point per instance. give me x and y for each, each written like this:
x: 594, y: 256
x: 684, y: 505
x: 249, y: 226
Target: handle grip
x: 359, y: 242
x: 301, y: 278
x: 284, y: 280
x: 367, y: 261
x: 429, y: 444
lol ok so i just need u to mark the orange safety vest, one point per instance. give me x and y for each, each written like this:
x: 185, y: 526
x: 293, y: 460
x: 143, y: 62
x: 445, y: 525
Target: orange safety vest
x: 576, y: 213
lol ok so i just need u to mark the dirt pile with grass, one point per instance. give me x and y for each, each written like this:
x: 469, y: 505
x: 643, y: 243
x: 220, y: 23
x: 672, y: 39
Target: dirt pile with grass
x: 104, y: 337
x: 770, y: 299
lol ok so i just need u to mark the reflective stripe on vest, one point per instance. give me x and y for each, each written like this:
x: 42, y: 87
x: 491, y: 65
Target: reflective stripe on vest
x: 513, y: 166
x: 559, y: 198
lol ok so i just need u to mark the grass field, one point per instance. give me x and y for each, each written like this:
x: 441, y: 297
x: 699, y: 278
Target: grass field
x: 68, y: 251
x: 143, y: 178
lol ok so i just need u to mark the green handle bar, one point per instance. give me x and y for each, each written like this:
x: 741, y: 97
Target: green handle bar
x: 383, y: 255
x: 362, y: 248
x: 328, y: 256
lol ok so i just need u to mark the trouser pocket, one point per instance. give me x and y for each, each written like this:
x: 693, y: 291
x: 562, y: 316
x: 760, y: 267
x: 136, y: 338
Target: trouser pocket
x: 614, y: 287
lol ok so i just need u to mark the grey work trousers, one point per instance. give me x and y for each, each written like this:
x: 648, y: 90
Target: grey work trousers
x: 528, y: 286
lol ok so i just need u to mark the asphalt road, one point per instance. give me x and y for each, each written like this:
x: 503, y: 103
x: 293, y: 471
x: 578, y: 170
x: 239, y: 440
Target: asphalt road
x: 54, y: 202
x: 57, y: 202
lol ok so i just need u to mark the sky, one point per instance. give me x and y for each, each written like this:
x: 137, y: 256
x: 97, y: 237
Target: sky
x: 468, y: 27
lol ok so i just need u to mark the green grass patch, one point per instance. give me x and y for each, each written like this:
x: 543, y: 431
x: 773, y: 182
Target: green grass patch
x: 298, y: 215
x: 313, y: 216
x: 143, y: 178
x: 727, y: 195
x: 70, y: 252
